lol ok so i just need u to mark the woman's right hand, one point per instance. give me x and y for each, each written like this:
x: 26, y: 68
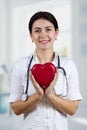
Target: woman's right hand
x: 39, y: 90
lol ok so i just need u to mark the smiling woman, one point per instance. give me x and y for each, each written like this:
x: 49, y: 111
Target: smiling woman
x: 49, y: 107
x: 43, y: 33
x: 43, y: 30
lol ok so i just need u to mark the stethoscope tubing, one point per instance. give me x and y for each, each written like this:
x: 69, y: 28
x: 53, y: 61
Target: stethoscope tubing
x: 26, y: 90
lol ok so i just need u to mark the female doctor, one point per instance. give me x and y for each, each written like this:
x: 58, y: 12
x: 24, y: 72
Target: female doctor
x: 44, y: 110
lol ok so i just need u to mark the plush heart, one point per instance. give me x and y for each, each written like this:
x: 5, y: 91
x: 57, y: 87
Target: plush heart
x: 44, y: 73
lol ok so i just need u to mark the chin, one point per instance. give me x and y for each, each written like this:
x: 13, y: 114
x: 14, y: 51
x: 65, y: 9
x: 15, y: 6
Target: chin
x: 45, y: 48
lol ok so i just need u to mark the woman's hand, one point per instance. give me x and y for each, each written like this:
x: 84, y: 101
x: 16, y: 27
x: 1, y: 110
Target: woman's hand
x: 39, y: 90
x: 49, y: 90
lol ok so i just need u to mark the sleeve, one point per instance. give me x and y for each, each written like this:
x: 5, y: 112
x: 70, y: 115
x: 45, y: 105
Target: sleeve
x: 16, y: 87
x: 73, y: 82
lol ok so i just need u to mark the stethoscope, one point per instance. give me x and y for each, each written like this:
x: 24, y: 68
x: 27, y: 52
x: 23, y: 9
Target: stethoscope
x: 25, y: 94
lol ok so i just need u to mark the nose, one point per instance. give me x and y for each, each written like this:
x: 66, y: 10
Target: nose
x: 43, y: 34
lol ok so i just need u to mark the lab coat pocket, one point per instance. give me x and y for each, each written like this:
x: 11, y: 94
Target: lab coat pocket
x: 61, y: 86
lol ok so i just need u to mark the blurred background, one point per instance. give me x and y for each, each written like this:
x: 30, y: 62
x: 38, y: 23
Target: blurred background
x: 15, y: 43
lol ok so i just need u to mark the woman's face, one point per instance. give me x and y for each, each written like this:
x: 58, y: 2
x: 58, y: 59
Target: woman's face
x: 43, y: 34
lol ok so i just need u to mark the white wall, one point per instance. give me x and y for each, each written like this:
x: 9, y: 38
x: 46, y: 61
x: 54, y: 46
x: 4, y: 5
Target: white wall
x: 17, y: 13
x: 12, y: 42
x: 3, y: 49
x: 10, y: 35
x: 79, y: 43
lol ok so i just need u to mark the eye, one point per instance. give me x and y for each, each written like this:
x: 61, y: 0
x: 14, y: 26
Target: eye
x: 37, y: 31
x: 48, y: 29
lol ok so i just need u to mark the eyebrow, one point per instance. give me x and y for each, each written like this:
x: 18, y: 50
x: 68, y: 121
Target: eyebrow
x: 45, y: 27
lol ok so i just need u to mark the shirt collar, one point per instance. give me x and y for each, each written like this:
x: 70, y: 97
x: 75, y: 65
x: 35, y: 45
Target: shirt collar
x: 55, y: 61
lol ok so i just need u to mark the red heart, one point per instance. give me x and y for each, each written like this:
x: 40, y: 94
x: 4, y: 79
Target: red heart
x: 44, y: 73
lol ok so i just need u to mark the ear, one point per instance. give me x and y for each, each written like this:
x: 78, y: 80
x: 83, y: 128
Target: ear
x: 31, y: 36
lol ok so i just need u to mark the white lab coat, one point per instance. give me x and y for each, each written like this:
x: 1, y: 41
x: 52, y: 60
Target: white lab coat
x: 45, y: 116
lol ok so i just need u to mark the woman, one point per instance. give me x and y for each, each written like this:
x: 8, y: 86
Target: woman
x: 47, y: 109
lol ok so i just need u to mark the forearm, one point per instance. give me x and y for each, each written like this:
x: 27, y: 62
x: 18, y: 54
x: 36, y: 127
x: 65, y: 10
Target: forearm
x: 20, y: 107
x: 63, y: 105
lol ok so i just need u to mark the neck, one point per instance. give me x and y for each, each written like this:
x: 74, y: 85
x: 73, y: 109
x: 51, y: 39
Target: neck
x: 45, y: 56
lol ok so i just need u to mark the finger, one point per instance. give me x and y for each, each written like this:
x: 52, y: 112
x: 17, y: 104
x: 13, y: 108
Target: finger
x: 56, y: 76
x: 33, y: 80
x: 52, y: 84
x: 30, y: 74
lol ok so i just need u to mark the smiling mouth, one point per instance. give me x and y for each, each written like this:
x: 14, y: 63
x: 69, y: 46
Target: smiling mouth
x: 44, y: 41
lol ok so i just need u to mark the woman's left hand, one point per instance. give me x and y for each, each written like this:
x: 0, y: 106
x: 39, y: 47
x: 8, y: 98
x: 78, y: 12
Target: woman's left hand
x: 50, y: 88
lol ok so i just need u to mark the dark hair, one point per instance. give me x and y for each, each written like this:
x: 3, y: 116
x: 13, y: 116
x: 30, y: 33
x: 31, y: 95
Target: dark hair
x: 43, y: 15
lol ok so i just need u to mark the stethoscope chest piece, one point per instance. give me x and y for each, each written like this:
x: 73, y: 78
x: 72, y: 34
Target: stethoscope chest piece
x: 24, y: 97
